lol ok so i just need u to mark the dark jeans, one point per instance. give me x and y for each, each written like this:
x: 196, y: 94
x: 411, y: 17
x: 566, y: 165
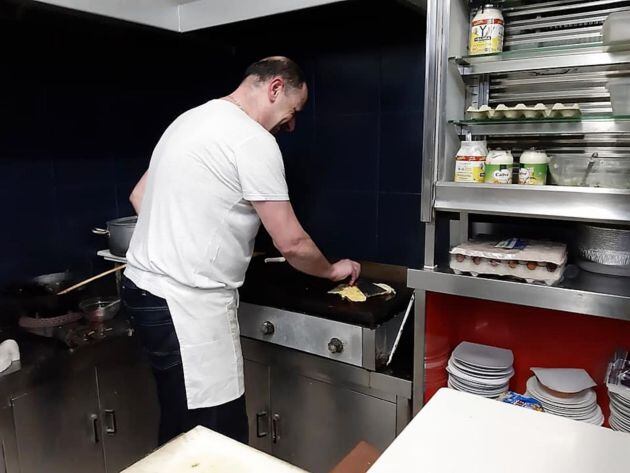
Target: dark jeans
x: 153, y: 324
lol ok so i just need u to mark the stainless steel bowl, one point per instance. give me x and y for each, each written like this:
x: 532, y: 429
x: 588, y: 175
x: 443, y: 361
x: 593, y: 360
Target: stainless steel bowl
x: 605, y: 250
x: 100, y: 309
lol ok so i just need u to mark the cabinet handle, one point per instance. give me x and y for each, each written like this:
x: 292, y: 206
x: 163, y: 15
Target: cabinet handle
x: 275, y: 428
x: 93, y: 419
x: 4, y: 460
x: 110, y: 421
x: 261, y: 424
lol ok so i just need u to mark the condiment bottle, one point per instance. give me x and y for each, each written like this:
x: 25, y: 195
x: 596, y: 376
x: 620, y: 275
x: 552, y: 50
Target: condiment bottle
x: 499, y: 167
x: 470, y: 162
x: 486, y: 31
x: 533, y: 168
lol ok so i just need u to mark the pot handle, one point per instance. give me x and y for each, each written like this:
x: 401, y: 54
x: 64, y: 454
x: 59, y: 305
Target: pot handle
x: 100, y: 231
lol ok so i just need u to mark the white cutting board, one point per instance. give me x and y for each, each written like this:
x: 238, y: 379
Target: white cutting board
x: 458, y: 432
x: 203, y: 451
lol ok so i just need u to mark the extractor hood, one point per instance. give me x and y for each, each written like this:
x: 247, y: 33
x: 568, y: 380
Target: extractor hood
x: 186, y: 15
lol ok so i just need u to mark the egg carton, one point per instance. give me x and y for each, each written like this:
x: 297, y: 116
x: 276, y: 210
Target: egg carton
x: 520, y: 111
x: 528, y: 271
x: 528, y: 260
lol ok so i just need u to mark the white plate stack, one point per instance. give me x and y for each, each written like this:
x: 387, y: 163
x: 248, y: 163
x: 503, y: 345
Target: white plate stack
x: 480, y: 369
x: 564, y: 401
x: 619, y: 411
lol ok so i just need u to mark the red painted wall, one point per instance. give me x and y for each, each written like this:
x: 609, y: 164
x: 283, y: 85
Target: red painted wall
x: 538, y: 337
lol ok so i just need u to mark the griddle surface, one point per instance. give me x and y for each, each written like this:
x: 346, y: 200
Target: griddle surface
x: 279, y: 285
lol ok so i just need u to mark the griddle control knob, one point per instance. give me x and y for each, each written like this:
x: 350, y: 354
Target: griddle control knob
x: 267, y: 328
x: 335, y: 345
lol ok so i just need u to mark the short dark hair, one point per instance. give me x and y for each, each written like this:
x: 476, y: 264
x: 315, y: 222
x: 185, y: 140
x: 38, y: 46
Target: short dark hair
x: 270, y: 67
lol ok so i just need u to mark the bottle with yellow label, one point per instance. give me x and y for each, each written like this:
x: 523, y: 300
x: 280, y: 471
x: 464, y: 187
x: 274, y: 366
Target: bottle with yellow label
x: 486, y: 31
x: 470, y: 162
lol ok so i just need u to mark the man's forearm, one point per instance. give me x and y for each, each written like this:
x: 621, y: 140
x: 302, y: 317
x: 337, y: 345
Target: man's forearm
x: 304, y: 256
x: 138, y: 193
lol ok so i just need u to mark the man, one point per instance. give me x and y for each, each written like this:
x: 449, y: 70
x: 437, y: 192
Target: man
x: 215, y: 174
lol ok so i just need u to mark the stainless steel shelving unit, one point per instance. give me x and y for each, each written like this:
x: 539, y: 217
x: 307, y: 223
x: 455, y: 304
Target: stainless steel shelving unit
x: 589, y: 204
x: 554, y: 54
x: 543, y: 59
x: 588, y: 294
x: 586, y: 125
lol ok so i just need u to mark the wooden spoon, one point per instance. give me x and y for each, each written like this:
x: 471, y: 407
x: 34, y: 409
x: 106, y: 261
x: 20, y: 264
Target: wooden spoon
x: 93, y: 278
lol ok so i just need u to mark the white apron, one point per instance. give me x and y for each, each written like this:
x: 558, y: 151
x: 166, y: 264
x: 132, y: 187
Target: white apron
x: 195, y: 236
x: 206, y: 324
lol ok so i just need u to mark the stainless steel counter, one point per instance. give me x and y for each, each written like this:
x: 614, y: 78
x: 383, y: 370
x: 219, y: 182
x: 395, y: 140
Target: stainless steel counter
x: 90, y: 409
x: 586, y: 293
x: 46, y: 360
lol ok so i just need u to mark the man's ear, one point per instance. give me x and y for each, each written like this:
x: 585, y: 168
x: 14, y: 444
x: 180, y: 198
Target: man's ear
x: 276, y: 86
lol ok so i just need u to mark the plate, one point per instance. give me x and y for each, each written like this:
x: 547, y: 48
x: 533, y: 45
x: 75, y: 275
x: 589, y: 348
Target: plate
x: 582, y: 413
x: 621, y: 408
x: 620, y: 399
x: 472, y: 385
x: 564, y: 380
x: 480, y: 371
x: 583, y: 398
x: 585, y: 406
x: 616, y: 426
x: 483, y: 392
x: 483, y: 369
x: 484, y: 355
x: 622, y: 425
x: 477, y: 379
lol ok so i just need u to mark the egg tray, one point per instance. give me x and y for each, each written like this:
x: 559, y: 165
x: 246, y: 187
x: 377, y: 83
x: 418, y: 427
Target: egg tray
x: 521, y: 111
x: 529, y: 271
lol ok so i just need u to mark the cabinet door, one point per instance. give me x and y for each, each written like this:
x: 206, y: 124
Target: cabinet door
x: 57, y: 429
x: 8, y: 452
x: 316, y: 424
x: 129, y: 413
x: 258, y: 405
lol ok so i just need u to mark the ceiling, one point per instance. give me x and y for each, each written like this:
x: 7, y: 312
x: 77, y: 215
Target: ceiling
x: 186, y: 15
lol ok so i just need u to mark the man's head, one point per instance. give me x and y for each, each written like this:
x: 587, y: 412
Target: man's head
x: 279, y: 89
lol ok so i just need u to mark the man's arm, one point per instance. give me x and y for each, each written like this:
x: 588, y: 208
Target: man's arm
x: 138, y: 192
x: 296, y: 245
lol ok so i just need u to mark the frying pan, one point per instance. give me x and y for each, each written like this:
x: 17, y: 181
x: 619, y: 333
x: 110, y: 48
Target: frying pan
x: 38, y: 297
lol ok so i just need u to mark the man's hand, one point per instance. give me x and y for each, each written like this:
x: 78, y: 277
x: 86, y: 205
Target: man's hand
x: 297, y: 247
x: 345, y: 269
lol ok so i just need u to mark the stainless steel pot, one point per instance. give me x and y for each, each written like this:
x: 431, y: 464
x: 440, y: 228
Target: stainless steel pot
x: 604, y: 250
x: 119, y: 232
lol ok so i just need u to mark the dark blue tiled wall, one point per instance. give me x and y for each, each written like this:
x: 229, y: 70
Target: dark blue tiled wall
x: 354, y: 162
x: 84, y: 100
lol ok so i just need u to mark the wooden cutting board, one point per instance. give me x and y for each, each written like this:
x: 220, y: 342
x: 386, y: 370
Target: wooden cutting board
x: 203, y: 451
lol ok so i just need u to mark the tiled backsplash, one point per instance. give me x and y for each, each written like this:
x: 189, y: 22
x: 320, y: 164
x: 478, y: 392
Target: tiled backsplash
x: 354, y: 162
x: 87, y: 98
x: 84, y: 101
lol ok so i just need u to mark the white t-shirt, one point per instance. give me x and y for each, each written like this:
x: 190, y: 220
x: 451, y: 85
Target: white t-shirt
x: 195, y: 235
x: 197, y: 224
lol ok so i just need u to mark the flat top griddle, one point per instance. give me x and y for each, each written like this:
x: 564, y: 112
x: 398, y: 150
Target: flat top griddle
x: 279, y: 285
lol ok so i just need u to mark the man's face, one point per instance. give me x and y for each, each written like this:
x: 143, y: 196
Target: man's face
x: 285, y: 103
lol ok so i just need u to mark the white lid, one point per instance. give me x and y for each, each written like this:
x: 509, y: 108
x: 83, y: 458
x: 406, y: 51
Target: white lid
x: 473, y: 148
x: 499, y: 156
x: 533, y: 156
